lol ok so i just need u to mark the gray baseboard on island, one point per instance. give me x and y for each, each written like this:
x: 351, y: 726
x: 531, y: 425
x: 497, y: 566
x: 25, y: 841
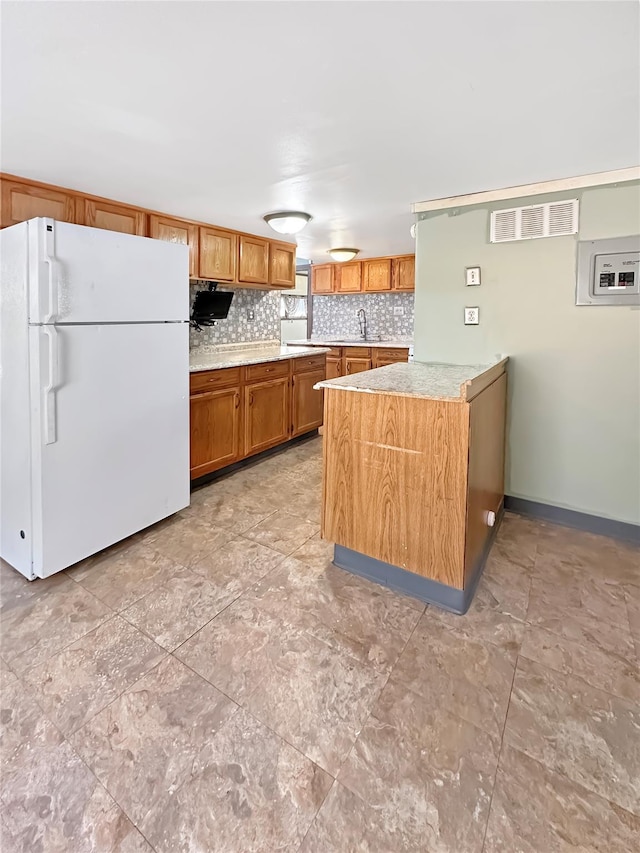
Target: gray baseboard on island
x: 427, y: 590
x: 572, y: 518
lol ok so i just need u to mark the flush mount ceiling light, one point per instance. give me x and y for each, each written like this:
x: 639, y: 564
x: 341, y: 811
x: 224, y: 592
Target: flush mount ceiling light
x: 287, y: 221
x: 343, y: 255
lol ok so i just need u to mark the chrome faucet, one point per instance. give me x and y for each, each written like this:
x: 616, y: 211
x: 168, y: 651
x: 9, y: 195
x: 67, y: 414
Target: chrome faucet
x: 362, y: 320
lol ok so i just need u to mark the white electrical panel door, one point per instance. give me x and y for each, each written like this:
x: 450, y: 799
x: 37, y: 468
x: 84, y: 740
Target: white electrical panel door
x: 609, y: 272
x: 110, y: 436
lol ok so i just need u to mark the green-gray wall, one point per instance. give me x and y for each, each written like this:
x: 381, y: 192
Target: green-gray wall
x: 574, y: 400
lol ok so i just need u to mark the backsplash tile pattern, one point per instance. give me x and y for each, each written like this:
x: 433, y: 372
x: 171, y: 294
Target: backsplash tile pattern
x: 236, y: 328
x: 335, y: 316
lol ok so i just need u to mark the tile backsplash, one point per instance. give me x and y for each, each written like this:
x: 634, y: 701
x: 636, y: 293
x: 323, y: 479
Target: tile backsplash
x: 335, y: 316
x: 237, y: 328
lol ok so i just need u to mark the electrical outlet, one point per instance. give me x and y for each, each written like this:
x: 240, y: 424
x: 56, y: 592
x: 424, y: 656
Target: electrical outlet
x: 251, y: 314
x: 398, y: 311
x: 472, y: 276
x: 471, y: 316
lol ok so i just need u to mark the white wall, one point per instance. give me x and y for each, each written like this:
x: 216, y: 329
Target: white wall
x: 574, y: 409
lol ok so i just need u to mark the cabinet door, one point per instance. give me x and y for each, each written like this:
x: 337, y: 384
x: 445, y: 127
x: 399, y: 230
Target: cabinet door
x: 111, y: 216
x: 376, y: 274
x: 334, y: 367
x: 21, y: 202
x: 349, y: 277
x: 218, y: 254
x: 215, y: 430
x: 177, y: 231
x: 306, y: 403
x: 266, y: 418
x: 356, y: 365
x: 254, y: 260
x: 322, y: 278
x: 382, y: 357
x: 282, y: 265
x: 403, y: 273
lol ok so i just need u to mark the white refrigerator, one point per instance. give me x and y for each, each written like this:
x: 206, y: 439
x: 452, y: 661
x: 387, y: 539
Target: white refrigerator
x: 94, y: 390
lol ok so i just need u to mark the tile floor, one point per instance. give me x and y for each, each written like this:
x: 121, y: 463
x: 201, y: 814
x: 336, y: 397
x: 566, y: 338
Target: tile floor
x: 215, y: 684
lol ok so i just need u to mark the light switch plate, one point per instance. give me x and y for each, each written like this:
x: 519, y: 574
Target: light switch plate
x: 471, y: 316
x: 472, y: 276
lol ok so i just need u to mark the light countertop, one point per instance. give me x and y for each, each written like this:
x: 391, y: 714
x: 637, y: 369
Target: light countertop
x: 322, y: 342
x: 430, y: 380
x: 239, y: 355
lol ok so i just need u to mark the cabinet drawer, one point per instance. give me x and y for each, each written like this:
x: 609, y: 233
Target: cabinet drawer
x: 267, y: 370
x: 391, y: 354
x: 357, y: 352
x: 309, y: 362
x: 208, y: 380
x: 335, y: 352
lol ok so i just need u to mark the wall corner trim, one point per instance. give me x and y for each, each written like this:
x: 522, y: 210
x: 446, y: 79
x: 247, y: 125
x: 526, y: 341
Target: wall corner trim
x: 598, y: 179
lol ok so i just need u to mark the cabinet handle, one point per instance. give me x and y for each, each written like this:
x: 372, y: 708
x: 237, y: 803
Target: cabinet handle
x: 251, y: 398
x: 348, y: 368
x: 237, y: 399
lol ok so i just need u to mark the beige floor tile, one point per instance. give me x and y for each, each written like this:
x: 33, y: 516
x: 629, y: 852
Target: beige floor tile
x: 42, y: 625
x: 585, y: 554
x: 238, y: 564
x: 632, y: 599
x: 23, y: 728
x: 606, y: 670
x: 154, y: 737
x: 188, y: 539
x: 449, y: 669
x: 572, y: 728
x: 173, y: 612
x: 517, y: 540
x: 364, y: 619
x: 315, y: 552
x: 535, y: 810
x: 235, y: 512
x: 346, y: 824
x: 314, y: 696
x: 15, y: 588
x: 283, y: 532
x: 255, y: 793
x: 434, y: 769
x: 72, y: 686
x: 126, y: 576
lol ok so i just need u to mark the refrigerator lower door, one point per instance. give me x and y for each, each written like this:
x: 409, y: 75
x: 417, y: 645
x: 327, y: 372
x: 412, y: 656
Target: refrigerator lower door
x: 110, y: 435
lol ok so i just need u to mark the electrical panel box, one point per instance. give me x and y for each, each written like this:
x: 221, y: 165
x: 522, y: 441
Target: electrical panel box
x: 609, y: 272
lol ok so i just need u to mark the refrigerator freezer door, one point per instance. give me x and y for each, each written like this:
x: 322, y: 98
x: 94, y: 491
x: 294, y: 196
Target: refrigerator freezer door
x: 118, y: 457
x: 89, y: 275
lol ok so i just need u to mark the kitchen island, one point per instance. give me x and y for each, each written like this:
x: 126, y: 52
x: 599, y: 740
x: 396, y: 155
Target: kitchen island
x: 413, y: 477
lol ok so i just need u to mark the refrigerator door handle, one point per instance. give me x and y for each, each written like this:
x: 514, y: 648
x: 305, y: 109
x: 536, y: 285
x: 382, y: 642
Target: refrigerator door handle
x: 52, y: 263
x: 49, y: 390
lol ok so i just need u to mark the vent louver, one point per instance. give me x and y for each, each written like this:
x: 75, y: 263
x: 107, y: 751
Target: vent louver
x: 554, y: 219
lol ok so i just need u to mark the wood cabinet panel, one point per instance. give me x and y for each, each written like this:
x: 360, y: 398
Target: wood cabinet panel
x: 215, y: 430
x: 177, y: 231
x: 322, y: 278
x: 382, y: 357
x: 306, y: 403
x: 267, y: 370
x: 209, y: 380
x: 376, y: 274
x: 403, y: 273
x: 334, y: 367
x: 308, y: 362
x: 266, y: 414
x: 348, y: 277
x: 356, y: 365
x: 20, y: 202
x: 111, y: 216
x: 282, y: 264
x: 253, y: 267
x: 218, y: 254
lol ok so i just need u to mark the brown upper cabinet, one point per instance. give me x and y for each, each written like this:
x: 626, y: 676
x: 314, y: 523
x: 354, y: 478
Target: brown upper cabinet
x: 111, y: 216
x: 282, y: 264
x: 376, y: 274
x: 322, y: 278
x: 177, y: 231
x: 348, y: 277
x: 218, y: 254
x: 20, y: 202
x: 403, y: 272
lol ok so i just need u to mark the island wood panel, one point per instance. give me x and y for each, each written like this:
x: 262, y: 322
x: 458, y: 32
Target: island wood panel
x: 486, y: 466
x: 395, y: 481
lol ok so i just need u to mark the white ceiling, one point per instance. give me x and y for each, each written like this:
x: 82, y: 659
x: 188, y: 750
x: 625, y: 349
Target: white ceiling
x: 350, y: 111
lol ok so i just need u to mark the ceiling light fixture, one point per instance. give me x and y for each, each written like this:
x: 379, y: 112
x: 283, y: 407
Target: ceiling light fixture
x: 343, y: 255
x: 287, y: 221
x: 413, y: 230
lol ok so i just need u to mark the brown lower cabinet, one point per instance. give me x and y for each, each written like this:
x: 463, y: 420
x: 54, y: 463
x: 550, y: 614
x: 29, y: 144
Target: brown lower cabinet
x: 239, y: 411
x: 356, y: 365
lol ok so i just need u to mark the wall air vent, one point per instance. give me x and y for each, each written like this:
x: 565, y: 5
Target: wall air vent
x: 555, y: 219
